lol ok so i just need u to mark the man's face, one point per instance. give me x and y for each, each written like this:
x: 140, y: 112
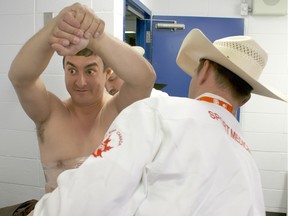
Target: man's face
x: 84, y: 78
x: 113, y: 84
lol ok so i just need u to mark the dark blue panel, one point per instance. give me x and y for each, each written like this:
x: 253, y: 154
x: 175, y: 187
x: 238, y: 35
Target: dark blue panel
x: 166, y: 43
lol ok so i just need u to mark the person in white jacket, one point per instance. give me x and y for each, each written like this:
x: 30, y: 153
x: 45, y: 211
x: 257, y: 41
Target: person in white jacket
x: 177, y: 156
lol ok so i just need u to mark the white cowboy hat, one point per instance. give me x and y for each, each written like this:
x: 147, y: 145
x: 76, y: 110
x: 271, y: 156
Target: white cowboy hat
x: 139, y: 50
x: 240, y: 54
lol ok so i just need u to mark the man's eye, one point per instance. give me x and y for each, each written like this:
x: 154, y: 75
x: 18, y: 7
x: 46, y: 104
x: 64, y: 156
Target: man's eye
x: 72, y: 71
x: 90, y: 72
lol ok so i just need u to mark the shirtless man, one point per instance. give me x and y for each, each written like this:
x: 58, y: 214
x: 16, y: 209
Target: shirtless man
x: 70, y: 130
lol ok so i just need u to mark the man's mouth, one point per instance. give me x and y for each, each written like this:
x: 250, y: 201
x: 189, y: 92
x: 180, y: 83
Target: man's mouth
x: 81, y: 90
x: 113, y: 91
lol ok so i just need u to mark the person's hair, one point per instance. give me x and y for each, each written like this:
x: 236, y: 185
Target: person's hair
x: 84, y: 52
x: 227, y: 79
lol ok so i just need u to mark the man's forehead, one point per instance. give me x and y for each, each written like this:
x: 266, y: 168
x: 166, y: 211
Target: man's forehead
x: 84, y: 60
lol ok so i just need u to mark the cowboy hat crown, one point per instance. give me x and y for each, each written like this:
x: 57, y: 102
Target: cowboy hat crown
x: 240, y: 54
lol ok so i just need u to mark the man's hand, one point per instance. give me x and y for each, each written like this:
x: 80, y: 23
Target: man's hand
x: 75, y: 26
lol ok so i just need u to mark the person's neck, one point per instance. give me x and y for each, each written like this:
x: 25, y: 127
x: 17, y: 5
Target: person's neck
x: 225, y: 98
x: 208, y: 94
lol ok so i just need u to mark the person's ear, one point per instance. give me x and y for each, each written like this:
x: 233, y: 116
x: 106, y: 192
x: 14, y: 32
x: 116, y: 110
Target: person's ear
x: 245, y: 100
x: 204, y: 72
x: 108, y: 72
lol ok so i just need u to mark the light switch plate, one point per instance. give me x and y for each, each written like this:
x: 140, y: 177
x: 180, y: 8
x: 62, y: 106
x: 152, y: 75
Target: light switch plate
x: 47, y: 17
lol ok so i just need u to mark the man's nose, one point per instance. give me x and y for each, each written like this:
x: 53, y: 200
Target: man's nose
x: 81, y: 80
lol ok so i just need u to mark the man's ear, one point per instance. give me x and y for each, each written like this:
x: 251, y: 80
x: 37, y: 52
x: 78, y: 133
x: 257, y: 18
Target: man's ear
x: 204, y: 72
x: 108, y: 72
x: 245, y: 100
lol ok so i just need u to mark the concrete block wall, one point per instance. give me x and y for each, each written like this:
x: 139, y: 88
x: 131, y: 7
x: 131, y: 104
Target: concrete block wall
x: 19, y: 158
x: 265, y: 121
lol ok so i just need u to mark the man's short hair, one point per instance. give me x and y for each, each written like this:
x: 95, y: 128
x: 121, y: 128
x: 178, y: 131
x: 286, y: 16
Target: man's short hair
x: 227, y: 79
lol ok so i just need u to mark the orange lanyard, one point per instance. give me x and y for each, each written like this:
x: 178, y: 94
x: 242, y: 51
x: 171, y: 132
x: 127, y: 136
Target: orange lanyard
x: 216, y: 101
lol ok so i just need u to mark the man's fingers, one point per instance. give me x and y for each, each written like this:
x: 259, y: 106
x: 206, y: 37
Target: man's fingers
x: 90, y: 31
x: 61, y: 47
x: 88, y: 21
x: 90, y: 24
x: 70, y: 25
x: 58, y: 34
x: 79, y: 12
x: 63, y: 50
x: 75, y: 26
x: 95, y: 29
x: 69, y: 18
x: 100, y: 29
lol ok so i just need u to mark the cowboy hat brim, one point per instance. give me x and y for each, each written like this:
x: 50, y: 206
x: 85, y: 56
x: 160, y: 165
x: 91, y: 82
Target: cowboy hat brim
x: 196, y: 46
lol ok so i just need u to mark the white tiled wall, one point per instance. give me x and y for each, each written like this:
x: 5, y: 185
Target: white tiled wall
x: 268, y: 126
x: 264, y: 121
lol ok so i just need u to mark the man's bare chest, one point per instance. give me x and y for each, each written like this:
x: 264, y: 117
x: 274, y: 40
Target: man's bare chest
x: 66, y: 140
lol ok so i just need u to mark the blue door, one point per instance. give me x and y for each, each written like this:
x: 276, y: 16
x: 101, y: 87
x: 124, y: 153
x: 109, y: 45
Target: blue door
x: 166, y: 43
x: 142, y: 15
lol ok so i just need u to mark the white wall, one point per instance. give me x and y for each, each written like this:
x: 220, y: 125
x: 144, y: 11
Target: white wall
x: 264, y: 121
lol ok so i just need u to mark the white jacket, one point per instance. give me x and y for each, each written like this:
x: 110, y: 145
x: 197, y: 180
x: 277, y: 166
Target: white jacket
x: 163, y: 156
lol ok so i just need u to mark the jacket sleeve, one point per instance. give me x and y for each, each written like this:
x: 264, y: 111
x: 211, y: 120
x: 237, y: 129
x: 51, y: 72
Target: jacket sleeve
x: 106, y: 181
